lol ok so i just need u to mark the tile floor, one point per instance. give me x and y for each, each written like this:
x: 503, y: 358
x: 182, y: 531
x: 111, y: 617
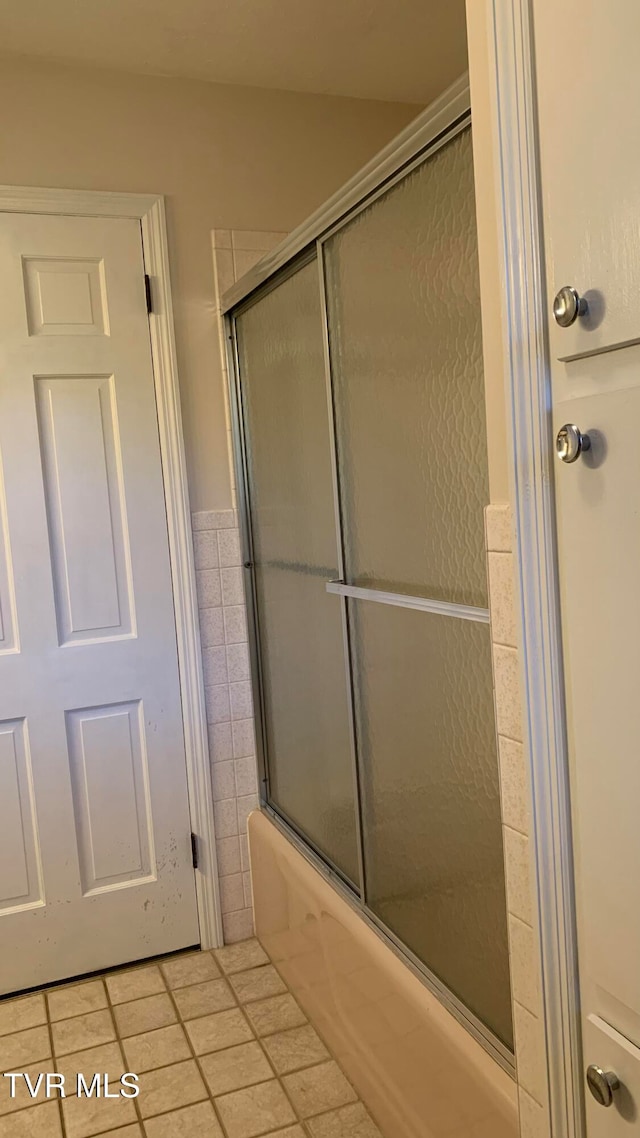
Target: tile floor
x: 221, y: 1047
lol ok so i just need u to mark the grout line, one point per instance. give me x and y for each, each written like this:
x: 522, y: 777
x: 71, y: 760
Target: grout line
x: 260, y: 1039
x: 280, y: 1078
x: 121, y: 1041
x: 197, y: 1058
x: 121, y: 1050
x: 63, y: 1129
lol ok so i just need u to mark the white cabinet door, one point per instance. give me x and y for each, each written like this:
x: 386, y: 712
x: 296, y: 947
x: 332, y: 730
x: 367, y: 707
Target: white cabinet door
x: 588, y: 84
x: 95, y: 860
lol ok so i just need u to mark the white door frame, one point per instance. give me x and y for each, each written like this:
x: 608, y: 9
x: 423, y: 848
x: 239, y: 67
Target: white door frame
x: 528, y: 403
x: 149, y: 210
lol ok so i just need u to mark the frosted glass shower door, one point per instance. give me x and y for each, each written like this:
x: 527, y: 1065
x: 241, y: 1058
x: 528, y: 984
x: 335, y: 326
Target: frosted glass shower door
x: 406, y: 358
x: 305, y: 711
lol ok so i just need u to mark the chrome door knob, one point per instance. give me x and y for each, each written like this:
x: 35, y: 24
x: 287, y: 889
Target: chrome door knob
x: 602, y: 1084
x: 568, y: 306
x: 570, y: 442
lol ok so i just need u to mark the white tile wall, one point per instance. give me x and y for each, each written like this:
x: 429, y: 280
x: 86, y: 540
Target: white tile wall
x: 515, y: 795
x: 223, y: 633
x: 225, y: 661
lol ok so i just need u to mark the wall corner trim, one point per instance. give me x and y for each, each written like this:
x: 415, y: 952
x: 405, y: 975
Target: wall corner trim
x: 528, y: 428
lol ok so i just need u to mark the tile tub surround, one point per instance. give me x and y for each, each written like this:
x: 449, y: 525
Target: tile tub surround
x: 209, y: 1035
x: 225, y: 661
x: 418, y: 1070
x: 515, y: 793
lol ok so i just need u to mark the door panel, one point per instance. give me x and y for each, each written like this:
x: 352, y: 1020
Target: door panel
x: 7, y: 594
x: 20, y: 877
x: 594, y: 195
x: 78, y: 425
x: 427, y: 749
x: 91, y: 737
x: 406, y: 359
x: 307, y: 727
x: 598, y: 516
x: 110, y: 778
x: 406, y: 353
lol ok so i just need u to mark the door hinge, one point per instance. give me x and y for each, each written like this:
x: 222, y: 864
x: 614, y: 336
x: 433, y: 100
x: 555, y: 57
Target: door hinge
x: 194, y: 851
x: 147, y: 292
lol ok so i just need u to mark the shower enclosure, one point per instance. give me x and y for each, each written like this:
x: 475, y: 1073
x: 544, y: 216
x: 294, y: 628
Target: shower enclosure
x: 358, y: 396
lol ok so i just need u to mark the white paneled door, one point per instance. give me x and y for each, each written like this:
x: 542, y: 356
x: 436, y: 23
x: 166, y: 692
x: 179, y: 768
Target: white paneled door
x: 95, y: 856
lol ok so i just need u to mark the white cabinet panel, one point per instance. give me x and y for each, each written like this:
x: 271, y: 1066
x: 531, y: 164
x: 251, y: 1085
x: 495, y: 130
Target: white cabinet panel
x: 588, y: 93
x: 606, y: 1048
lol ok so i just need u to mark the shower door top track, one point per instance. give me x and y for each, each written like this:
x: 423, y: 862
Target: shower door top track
x: 433, y: 128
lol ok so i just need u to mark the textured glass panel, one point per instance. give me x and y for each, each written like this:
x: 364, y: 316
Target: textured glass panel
x: 293, y: 524
x: 431, y: 810
x: 406, y: 349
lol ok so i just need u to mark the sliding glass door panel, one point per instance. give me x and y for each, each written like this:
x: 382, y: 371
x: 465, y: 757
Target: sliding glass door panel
x: 406, y: 352
x: 364, y: 467
x: 431, y: 805
x: 290, y: 489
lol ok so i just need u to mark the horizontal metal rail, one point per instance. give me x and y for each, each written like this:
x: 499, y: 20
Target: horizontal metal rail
x: 405, y: 601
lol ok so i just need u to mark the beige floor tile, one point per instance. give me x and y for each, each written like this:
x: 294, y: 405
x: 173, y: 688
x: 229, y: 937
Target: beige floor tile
x: 237, y: 957
x: 81, y: 1032
x: 194, y: 968
x: 24, y: 1047
x: 20, y: 1014
x: 215, y: 1032
x: 292, y: 1050
x: 235, y: 1068
x: 255, y: 1110
x: 170, y: 1088
x: 318, y: 1089
x: 203, y: 999
x: 37, y: 1122
x: 76, y: 1001
x: 89, y: 1116
x: 156, y: 1048
x: 107, y: 1058
x: 275, y: 1014
x: 144, y: 1015
x: 23, y: 1098
x: 135, y: 985
x: 197, y: 1121
x: 85, y: 1116
x: 257, y: 983
x: 348, y: 1122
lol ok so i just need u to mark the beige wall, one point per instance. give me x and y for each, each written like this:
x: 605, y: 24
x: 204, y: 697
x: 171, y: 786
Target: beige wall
x: 488, y: 248
x: 226, y: 157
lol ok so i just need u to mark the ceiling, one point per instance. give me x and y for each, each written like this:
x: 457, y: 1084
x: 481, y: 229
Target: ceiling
x: 395, y: 50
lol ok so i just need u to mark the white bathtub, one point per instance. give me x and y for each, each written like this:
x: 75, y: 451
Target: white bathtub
x: 416, y: 1068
